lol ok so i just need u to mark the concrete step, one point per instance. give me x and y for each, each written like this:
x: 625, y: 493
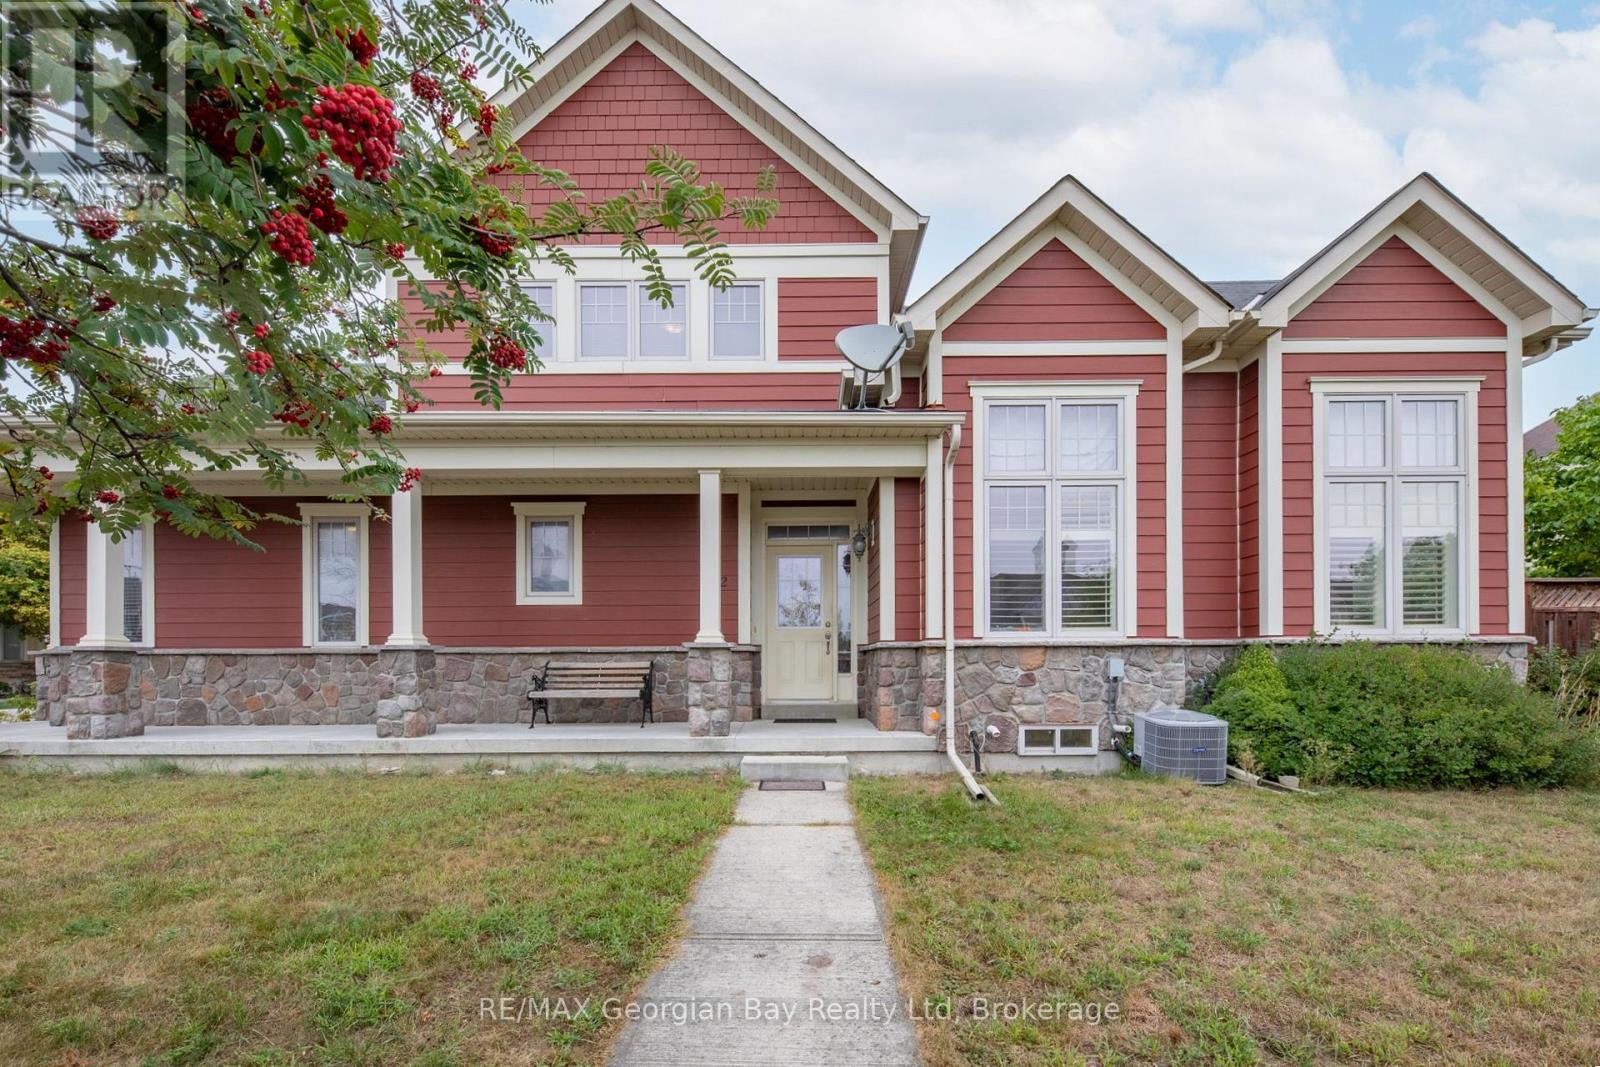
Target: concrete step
x: 794, y: 768
x: 808, y: 709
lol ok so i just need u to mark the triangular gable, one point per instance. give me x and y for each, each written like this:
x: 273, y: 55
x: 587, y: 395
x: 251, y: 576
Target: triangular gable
x: 1394, y: 292
x: 1054, y: 296
x: 603, y: 132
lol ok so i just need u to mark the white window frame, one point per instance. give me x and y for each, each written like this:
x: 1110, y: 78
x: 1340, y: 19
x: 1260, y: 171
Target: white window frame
x: 637, y: 291
x: 1125, y: 478
x: 548, y: 351
x: 147, y: 607
x: 711, y: 322
x: 310, y: 514
x: 572, y: 511
x: 1057, y: 748
x: 1464, y: 391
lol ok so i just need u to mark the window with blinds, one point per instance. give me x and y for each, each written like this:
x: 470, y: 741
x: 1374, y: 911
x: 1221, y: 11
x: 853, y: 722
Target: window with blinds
x: 1393, y: 489
x: 1053, y: 472
x: 133, y: 579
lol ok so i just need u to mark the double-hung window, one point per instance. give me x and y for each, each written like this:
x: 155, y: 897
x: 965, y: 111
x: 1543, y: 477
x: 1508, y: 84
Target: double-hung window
x: 138, y: 584
x: 543, y: 295
x: 622, y: 320
x: 736, y: 321
x: 334, y: 560
x: 1056, y: 543
x: 549, y: 552
x: 1395, y: 484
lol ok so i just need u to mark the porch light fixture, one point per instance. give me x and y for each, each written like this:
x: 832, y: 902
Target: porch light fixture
x: 858, y: 542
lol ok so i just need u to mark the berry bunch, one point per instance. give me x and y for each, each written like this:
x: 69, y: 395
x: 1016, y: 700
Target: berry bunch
x: 507, y: 354
x: 21, y: 339
x: 363, y: 48
x: 395, y: 251
x: 488, y: 115
x: 104, y: 302
x: 381, y: 425
x: 297, y: 413
x: 107, y: 496
x: 97, y: 223
x: 409, y: 481
x: 319, y: 208
x: 258, y: 361
x: 360, y: 123
x: 425, y: 87
x: 290, y: 238
x: 469, y: 72
x: 210, y: 114
x: 495, y: 242
x: 171, y: 492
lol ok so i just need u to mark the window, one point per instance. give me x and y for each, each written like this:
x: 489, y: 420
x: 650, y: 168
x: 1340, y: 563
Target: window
x: 1058, y: 741
x: 335, y: 574
x: 621, y: 320
x: 1055, y: 493
x: 13, y: 646
x: 736, y: 322
x: 1393, y: 525
x: 137, y: 585
x: 549, y: 553
x: 543, y: 294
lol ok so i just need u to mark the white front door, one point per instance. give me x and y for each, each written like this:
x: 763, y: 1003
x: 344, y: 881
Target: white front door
x: 800, y: 659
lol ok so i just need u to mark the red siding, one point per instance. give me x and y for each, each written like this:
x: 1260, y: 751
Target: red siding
x: 1210, y: 506
x: 73, y: 601
x: 1249, y: 502
x: 907, y: 559
x: 602, y: 134
x: 811, y: 312
x: 1150, y: 430
x: 1298, y: 527
x: 640, y: 574
x: 1054, y: 296
x: 874, y: 631
x: 594, y: 392
x: 1395, y: 292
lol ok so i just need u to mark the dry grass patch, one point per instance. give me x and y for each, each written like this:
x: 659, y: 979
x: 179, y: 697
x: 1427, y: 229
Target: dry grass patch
x: 344, y: 919
x: 1237, y: 927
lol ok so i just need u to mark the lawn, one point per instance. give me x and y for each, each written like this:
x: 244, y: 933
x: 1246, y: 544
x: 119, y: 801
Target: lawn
x: 340, y: 919
x: 1237, y: 927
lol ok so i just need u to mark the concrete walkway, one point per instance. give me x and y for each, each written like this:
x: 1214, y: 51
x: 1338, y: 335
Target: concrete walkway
x: 785, y: 962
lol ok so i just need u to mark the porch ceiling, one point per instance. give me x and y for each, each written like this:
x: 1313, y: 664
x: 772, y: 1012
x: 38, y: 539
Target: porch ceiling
x: 697, y: 425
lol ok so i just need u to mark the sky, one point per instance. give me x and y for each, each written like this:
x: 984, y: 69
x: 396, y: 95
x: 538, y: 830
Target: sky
x: 1241, y: 135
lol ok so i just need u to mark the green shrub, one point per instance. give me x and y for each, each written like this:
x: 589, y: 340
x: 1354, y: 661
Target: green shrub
x: 1399, y: 716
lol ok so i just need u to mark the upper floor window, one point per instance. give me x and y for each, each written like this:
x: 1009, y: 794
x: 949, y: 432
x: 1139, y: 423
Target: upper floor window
x: 621, y: 320
x: 549, y: 552
x: 543, y: 294
x: 1057, y: 534
x: 1395, y: 493
x: 736, y: 321
x: 335, y: 574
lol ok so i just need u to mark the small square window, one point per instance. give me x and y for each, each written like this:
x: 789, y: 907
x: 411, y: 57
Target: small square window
x: 549, y: 553
x: 736, y: 322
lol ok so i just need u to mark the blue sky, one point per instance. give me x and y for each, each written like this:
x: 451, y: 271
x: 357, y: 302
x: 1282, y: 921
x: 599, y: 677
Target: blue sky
x: 1239, y: 134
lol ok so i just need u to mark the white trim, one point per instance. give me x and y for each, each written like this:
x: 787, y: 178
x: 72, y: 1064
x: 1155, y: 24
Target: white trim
x: 933, y: 543
x: 1516, y: 545
x: 1054, y: 348
x: 570, y: 510
x: 710, y: 574
x: 745, y: 578
x: 596, y: 365
x: 55, y: 584
x: 102, y: 621
x: 1465, y: 392
x: 405, y: 569
x: 1388, y: 345
x: 309, y: 515
x: 1173, y: 459
x: 1269, y: 524
x: 1057, y: 748
x: 886, y: 560
x: 1126, y: 395
x: 147, y: 588
x: 933, y: 372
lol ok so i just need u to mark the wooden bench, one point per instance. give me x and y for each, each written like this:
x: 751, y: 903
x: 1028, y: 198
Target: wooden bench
x: 630, y: 680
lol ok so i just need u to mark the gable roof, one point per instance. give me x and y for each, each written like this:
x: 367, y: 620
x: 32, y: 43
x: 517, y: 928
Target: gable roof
x: 1474, y: 253
x: 615, y: 24
x: 1541, y: 440
x: 1242, y: 294
x: 1071, y: 207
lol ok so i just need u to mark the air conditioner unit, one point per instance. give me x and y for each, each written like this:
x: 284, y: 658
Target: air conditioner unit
x: 1182, y: 744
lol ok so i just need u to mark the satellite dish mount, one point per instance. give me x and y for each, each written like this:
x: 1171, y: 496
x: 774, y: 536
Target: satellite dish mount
x: 872, y: 350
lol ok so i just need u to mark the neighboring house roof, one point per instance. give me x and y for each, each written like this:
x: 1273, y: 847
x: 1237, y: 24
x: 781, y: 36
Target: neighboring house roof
x: 614, y: 25
x: 1242, y: 294
x: 1541, y: 440
x: 1459, y: 242
x: 1069, y: 208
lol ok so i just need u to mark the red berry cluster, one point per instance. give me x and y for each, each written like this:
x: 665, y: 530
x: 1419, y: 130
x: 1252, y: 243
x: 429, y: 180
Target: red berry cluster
x: 261, y: 330
x: 21, y: 339
x: 381, y: 425
x: 469, y: 72
x: 290, y: 238
x: 425, y: 87
x: 171, y: 492
x: 107, y: 496
x: 187, y: 408
x: 98, y: 223
x: 488, y: 115
x: 258, y: 361
x: 507, y: 354
x: 319, y: 206
x: 104, y: 302
x: 209, y: 116
x: 395, y: 251
x: 410, y: 479
x: 495, y: 242
x: 46, y: 474
x: 297, y: 413
x: 434, y: 372
x: 360, y: 122
x: 361, y: 46
x: 413, y: 406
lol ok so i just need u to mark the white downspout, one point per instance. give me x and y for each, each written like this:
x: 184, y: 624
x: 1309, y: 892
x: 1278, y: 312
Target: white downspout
x: 1550, y: 349
x: 974, y: 790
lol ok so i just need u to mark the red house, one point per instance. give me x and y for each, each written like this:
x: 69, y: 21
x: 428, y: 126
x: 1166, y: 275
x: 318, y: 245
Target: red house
x: 1090, y: 459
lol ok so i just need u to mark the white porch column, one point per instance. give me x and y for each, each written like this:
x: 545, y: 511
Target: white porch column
x: 710, y: 559
x: 405, y: 559
x: 886, y: 565
x: 933, y: 542
x: 103, y: 627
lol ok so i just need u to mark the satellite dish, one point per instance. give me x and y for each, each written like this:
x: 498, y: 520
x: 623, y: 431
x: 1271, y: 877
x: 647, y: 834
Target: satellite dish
x: 872, y: 349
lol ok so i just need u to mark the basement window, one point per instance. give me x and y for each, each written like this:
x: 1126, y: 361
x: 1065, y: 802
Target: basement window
x: 1058, y: 741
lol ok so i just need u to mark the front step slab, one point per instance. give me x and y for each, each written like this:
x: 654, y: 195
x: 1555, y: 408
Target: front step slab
x: 794, y: 768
